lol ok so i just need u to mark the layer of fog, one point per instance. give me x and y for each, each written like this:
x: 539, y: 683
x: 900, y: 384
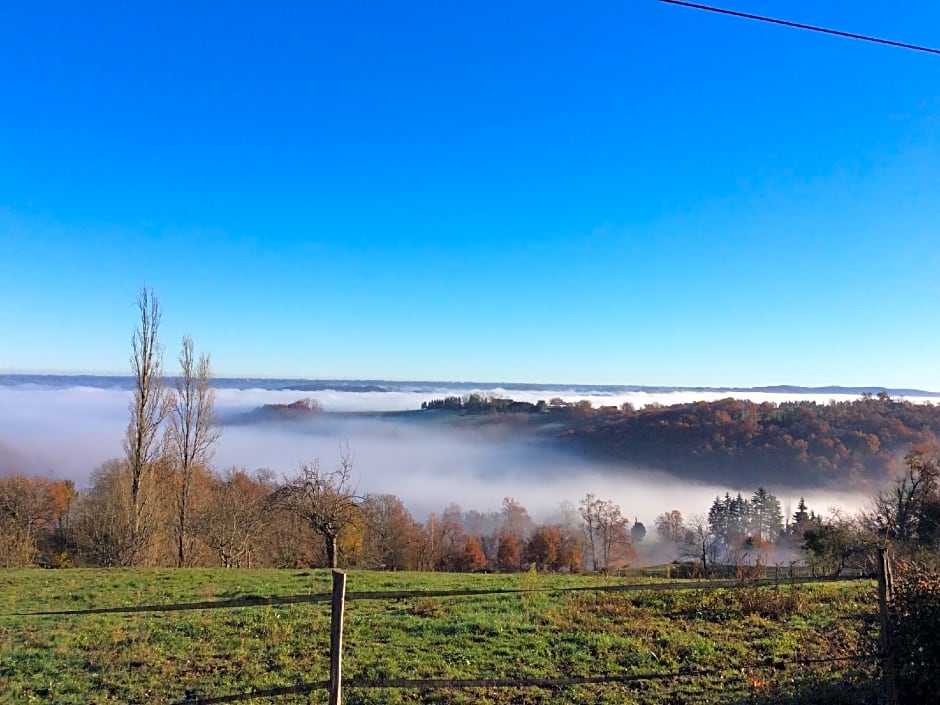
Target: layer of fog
x: 340, y: 401
x: 66, y: 433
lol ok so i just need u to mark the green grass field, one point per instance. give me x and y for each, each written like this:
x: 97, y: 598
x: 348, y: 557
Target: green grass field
x: 746, y: 636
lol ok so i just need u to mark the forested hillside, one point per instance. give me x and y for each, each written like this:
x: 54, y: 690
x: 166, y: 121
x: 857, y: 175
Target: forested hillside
x: 737, y: 441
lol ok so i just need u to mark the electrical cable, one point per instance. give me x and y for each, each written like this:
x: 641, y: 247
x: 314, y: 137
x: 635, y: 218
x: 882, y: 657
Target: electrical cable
x: 799, y: 25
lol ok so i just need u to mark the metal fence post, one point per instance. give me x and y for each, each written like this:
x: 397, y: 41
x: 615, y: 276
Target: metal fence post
x: 336, y: 637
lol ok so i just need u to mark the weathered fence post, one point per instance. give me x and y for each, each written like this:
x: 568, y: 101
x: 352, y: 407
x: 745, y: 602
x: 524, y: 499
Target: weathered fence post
x: 885, y: 598
x: 336, y: 637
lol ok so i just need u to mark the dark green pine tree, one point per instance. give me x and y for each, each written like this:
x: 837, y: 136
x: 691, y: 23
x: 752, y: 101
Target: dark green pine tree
x: 718, y: 517
x: 739, y: 522
x: 766, y: 517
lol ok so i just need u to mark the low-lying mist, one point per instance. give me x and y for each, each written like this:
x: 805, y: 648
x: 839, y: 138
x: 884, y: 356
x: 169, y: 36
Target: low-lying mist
x: 67, y: 432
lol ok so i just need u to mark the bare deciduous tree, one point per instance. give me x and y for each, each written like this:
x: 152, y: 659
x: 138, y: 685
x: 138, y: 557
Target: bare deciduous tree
x: 325, y: 500
x: 516, y: 519
x: 907, y: 512
x: 102, y: 520
x: 699, y: 542
x: 148, y: 410
x: 190, y: 435
x: 605, y: 532
x: 234, y: 517
x: 670, y: 526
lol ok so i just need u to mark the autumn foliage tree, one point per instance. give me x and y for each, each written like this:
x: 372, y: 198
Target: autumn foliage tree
x: 553, y: 547
x: 508, y: 552
x: 33, y: 511
x: 391, y: 536
x: 516, y: 519
x: 101, y: 521
x: 542, y: 547
x: 471, y: 556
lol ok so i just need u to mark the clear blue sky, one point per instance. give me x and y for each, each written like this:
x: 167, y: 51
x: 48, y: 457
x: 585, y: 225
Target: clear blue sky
x: 597, y: 192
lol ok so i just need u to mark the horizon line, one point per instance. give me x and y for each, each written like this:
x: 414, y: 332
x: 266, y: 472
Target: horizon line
x: 769, y: 388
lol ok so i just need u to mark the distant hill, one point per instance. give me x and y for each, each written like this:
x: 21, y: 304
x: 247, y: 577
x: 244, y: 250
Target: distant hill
x: 853, y: 391
x: 300, y: 410
x: 849, y: 444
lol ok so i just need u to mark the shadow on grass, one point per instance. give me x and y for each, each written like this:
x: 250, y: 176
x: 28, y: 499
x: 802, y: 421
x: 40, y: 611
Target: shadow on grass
x: 817, y: 691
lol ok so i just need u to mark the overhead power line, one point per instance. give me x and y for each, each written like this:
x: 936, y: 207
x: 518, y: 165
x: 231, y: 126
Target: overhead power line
x: 798, y: 25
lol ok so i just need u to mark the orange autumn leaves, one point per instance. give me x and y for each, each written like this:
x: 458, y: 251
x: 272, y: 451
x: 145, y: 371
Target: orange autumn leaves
x: 33, y: 511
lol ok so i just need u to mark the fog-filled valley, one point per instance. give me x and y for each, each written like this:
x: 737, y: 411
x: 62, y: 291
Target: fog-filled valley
x: 63, y: 428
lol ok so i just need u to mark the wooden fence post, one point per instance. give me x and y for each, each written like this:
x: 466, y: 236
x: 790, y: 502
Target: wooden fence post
x: 336, y: 637
x: 885, y: 598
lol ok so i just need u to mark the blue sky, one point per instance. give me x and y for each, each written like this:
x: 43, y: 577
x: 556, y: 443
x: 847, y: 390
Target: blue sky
x: 603, y: 192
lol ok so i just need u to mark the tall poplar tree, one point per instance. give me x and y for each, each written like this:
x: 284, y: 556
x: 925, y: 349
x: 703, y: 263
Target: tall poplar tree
x: 148, y: 409
x: 191, y: 433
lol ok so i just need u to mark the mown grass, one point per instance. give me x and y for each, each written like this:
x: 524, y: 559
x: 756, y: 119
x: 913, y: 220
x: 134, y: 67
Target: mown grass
x: 747, y: 637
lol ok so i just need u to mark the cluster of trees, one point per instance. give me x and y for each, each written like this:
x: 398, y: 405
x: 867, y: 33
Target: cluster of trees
x: 163, y: 503
x: 479, y: 404
x: 476, y: 403
x: 314, y: 517
x: 734, y: 530
x: 759, y: 518
x: 905, y: 516
x: 299, y: 410
x: 147, y: 495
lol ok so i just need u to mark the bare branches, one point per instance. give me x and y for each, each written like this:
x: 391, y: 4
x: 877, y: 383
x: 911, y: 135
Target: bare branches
x: 191, y: 433
x: 605, y: 532
x: 325, y: 499
x: 234, y: 517
x: 148, y: 409
x: 908, y: 512
x: 148, y: 405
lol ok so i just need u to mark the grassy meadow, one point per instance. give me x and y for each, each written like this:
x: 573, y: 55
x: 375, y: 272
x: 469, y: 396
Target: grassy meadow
x: 745, y: 637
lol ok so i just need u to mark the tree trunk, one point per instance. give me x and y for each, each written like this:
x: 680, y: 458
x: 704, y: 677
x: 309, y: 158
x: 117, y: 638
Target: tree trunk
x: 181, y: 536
